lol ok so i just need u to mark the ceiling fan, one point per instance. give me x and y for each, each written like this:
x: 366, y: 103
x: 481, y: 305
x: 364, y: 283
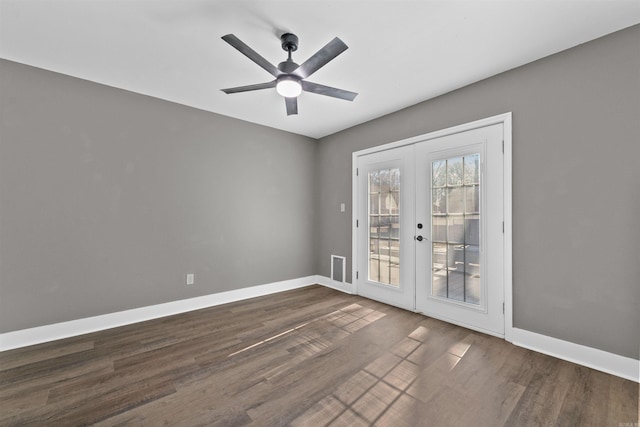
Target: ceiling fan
x: 289, y: 76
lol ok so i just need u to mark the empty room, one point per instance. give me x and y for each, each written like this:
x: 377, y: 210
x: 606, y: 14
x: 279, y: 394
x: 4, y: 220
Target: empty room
x: 319, y: 213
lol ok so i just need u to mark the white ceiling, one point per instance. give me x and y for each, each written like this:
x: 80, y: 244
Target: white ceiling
x: 400, y: 52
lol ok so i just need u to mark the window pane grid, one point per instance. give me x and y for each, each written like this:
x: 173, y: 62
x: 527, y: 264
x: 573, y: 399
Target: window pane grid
x: 384, y: 226
x: 455, y: 232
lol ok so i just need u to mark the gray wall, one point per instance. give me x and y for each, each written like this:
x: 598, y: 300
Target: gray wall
x: 108, y: 198
x: 576, y: 186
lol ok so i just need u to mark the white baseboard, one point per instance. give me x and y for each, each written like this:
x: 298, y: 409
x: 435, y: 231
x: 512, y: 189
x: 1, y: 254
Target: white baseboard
x: 56, y: 331
x: 590, y: 357
x: 345, y: 287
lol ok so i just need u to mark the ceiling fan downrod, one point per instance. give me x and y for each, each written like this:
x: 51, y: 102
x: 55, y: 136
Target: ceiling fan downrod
x: 289, y: 44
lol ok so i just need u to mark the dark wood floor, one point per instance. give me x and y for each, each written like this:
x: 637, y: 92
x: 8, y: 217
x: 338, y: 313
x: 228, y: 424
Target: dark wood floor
x: 311, y: 357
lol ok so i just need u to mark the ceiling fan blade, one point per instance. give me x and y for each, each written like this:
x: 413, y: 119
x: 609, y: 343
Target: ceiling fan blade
x: 332, y: 49
x: 328, y: 91
x: 292, y: 105
x: 258, y: 86
x: 252, y: 54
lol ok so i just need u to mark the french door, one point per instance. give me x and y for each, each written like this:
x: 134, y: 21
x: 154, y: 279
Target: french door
x: 385, y: 211
x: 430, y: 227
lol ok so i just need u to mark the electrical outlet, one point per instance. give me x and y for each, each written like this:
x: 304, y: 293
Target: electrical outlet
x: 191, y: 278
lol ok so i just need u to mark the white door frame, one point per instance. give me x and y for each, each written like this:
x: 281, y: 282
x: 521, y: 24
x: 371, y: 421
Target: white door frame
x: 506, y: 120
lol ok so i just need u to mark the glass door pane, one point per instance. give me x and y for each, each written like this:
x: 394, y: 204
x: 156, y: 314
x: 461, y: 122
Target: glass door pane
x: 384, y: 226
x: 455, y: 228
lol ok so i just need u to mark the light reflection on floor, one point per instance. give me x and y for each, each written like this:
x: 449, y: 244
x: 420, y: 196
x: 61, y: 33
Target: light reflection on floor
x: 316, y: 335
x: 387, y: 389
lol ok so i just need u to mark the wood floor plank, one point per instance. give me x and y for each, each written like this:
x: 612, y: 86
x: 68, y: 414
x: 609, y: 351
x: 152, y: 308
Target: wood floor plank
x: 623, y: 401
x: 54, y: 375
x: 40, y: 353
x: 307, y: 357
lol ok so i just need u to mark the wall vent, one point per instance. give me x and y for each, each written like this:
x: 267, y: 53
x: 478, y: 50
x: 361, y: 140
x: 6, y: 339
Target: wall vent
x: 338, y: 268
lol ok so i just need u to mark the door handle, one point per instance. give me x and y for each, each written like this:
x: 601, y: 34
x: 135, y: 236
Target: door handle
x: 419, y: 238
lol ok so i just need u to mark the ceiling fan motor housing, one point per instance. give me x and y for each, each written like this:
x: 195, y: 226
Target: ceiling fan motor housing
x: 287, y: 66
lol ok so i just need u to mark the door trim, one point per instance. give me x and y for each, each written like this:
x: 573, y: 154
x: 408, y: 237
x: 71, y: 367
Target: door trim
x: 506, y: 120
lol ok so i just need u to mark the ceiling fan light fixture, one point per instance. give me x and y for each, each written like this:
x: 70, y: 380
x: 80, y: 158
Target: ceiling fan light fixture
x: 291, y: 78
x: 289, y: 87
